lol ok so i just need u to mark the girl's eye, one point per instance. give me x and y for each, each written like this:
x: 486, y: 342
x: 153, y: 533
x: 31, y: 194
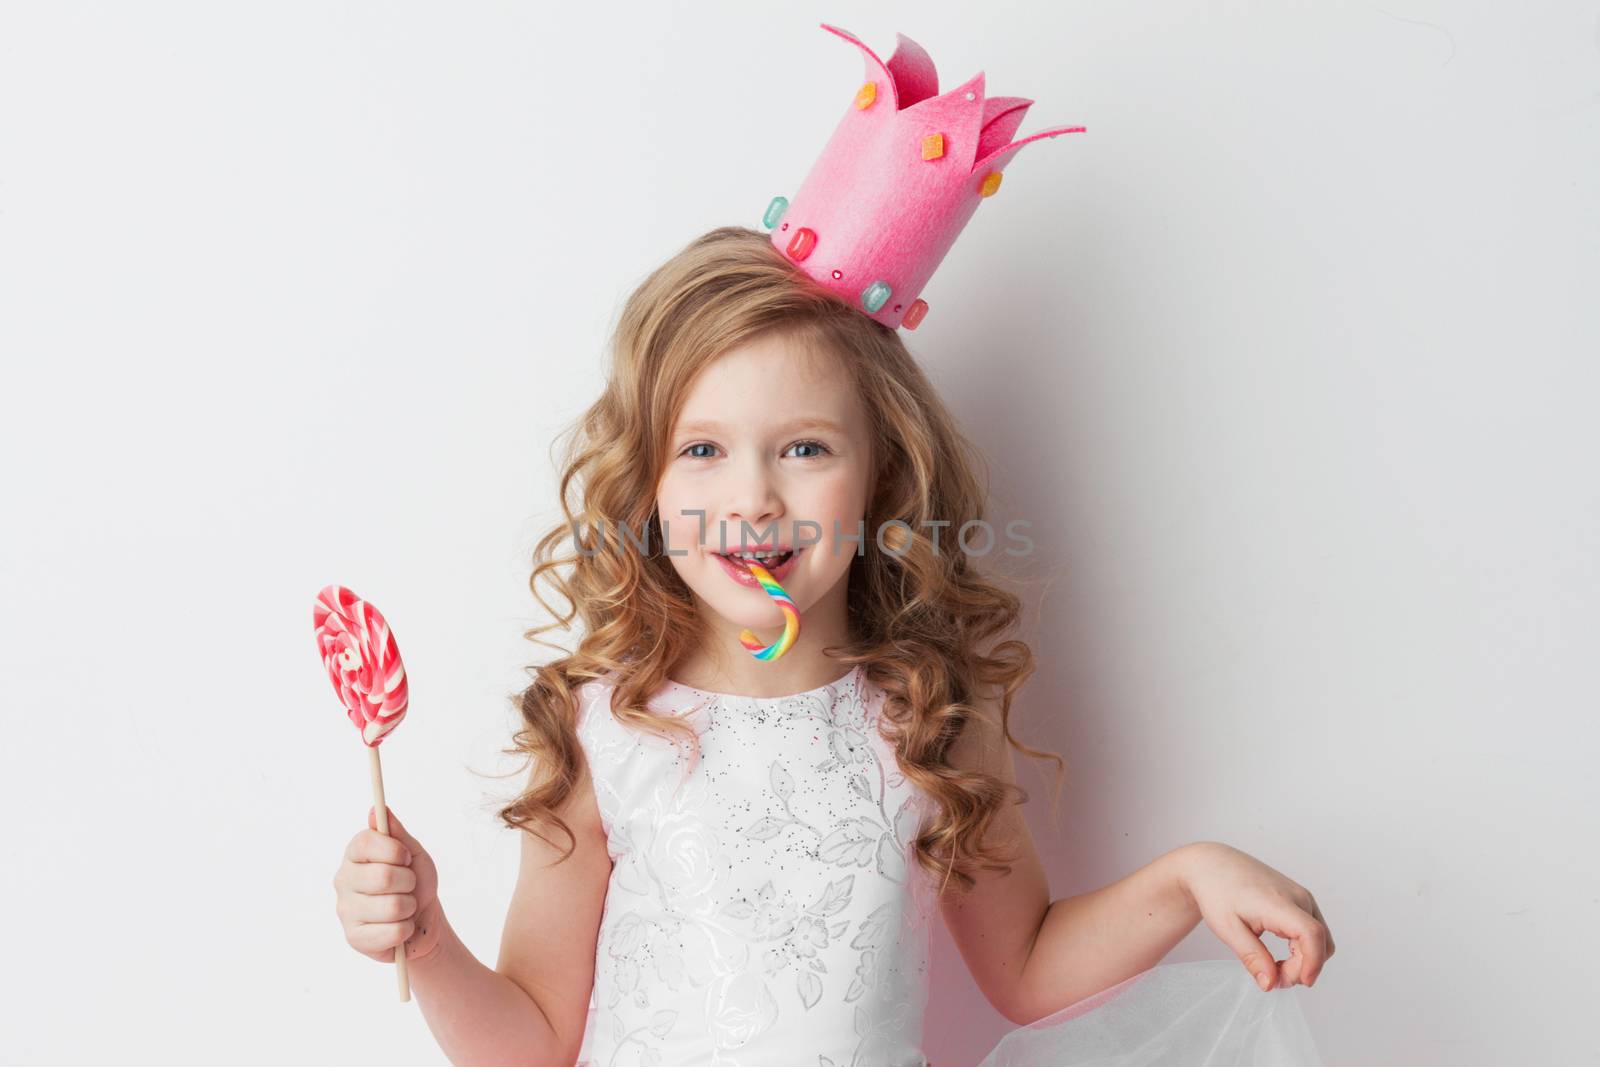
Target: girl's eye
x: 816, y: 444
x: 825, y: 450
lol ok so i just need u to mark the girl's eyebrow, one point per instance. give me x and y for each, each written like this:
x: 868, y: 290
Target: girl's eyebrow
x: 804, y: 422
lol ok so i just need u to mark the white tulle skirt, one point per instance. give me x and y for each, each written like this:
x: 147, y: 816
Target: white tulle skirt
x: 1205, y: 1014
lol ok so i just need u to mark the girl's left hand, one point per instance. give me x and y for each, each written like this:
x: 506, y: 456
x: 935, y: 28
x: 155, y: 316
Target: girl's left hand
x: 1239, y: 896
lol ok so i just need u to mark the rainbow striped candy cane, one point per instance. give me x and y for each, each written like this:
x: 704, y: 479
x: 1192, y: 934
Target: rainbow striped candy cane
x: 791, y: 617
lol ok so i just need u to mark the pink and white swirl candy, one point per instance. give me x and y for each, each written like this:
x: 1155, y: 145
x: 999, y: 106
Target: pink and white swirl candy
x: 362, y: 661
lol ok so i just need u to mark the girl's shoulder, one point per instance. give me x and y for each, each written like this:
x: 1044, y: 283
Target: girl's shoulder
x: 594, y: 696
x: 595, y: 693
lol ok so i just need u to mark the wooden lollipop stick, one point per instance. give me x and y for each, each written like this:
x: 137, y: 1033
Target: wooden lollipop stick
x: 382, y: 812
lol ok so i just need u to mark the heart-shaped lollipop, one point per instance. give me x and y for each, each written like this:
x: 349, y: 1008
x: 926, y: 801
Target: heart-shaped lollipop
x: 363, y: 663
x: 362, y: 660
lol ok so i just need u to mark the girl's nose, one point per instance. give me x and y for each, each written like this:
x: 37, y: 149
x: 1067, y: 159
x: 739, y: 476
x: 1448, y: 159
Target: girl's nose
x: 754, y: 523
x: 757, y: 505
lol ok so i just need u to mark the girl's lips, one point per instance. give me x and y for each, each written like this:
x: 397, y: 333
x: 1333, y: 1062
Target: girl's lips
x: 738, y: 573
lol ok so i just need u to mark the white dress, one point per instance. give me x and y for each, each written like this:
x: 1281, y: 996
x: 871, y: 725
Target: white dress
x: 764, y: 908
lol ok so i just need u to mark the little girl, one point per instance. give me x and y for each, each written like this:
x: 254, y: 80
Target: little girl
x: 736, y: 861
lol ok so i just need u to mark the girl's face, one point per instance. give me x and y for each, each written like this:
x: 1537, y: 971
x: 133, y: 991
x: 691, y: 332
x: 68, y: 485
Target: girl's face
x: 771, y: 448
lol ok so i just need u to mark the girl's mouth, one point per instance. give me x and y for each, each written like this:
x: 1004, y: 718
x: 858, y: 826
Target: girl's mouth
x: 778, y: 566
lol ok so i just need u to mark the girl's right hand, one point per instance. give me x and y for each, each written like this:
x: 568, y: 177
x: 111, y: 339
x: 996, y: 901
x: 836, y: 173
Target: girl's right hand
x: 388, y: 892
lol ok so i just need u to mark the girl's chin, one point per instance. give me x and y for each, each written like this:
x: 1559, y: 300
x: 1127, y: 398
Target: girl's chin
x: 741, y: 614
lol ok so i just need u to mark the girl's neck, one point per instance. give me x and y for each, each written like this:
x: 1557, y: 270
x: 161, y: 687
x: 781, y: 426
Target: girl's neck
x: 784, y: 676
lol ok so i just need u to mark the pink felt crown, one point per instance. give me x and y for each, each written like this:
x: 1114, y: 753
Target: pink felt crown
x: 897, y: 181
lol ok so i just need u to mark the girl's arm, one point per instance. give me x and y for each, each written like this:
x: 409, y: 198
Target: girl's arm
x: 1092, y: 941
x: 531, y: 1010
x: 1032, y: 956
x: 480, y: 1017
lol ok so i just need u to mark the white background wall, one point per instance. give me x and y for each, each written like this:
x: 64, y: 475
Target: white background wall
x: 1288, y: 359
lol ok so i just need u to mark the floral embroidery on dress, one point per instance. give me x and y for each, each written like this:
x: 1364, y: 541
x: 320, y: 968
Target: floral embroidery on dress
x: 759, y: 905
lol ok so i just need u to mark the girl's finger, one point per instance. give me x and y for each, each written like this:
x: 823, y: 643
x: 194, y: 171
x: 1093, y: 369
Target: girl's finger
x: 370, y: 846
x: 1327, y: 934
x: 379, y: 878
x: 1304, y: 933
x: 1324, y: 939
x: 396, y: 829
x: 1293, y: 968
x: 1251, y: 952
x: 375, y: 937
x: 389, y: 907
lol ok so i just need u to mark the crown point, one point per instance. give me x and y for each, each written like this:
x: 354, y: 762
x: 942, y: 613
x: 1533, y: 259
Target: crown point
x: 801, y: 244
x: 914, y: 315
x: 875, y: 295
x: 933, y: 146
x: 990, y: 185
x: 866, y: 95
x: 774, y: 211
